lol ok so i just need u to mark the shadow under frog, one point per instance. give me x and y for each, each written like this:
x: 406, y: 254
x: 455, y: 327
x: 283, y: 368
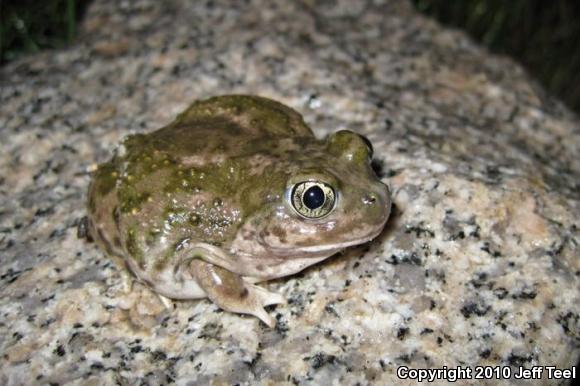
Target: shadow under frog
x: 235, y: 191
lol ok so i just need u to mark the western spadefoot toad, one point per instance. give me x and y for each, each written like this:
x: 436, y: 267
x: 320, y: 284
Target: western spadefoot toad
x: 235, y: 191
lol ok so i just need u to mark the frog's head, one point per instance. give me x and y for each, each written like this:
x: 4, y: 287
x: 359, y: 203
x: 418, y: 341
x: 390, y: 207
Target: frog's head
x: 332, y: 199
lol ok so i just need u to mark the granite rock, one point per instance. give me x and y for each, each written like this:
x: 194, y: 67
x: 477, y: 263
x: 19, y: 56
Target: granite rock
x: 478, y: 266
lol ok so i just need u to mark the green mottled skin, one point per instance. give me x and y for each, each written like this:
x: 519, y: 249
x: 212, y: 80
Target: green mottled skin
x: 218, y: 175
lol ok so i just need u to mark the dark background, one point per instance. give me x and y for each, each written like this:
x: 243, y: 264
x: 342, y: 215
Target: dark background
x: 542, y: 35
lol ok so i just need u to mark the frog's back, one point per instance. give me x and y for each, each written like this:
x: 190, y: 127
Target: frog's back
x: 232, y: 125
x: 247, y: 115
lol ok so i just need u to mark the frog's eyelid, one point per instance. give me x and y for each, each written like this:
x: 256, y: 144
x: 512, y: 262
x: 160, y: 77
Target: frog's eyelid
x: 369, y: 145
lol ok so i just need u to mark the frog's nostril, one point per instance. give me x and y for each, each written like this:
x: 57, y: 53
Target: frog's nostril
x: 369, y: 199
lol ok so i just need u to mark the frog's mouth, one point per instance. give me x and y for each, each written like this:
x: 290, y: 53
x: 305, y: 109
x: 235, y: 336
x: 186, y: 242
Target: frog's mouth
x: 324, y: 249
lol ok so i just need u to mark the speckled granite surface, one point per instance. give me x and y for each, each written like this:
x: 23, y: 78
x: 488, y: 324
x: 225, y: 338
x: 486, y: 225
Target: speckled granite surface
x: 479, y: 264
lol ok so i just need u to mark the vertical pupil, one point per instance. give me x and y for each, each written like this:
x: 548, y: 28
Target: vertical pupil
x: 313, y: 197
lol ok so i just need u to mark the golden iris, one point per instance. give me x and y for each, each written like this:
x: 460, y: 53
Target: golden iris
x: 313, y: 199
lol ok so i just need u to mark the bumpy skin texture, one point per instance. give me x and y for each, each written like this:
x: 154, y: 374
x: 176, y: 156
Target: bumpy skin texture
x: 202, y: 207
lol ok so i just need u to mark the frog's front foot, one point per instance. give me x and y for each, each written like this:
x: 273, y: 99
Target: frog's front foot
x: 231, y: 293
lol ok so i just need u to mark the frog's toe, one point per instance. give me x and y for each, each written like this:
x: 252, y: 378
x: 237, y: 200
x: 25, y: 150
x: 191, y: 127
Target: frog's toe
x: 267, y: 298
x: 261, y: 314
x: 126, y: 282
x: 167, y: 303
x: 255, y: 301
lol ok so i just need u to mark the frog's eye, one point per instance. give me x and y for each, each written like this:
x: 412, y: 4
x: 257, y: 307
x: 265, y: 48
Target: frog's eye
x: 369, y: 145
x: 313, y: 199
x: 351, y: 147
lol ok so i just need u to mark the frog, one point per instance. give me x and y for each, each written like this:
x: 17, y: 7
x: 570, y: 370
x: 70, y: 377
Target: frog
x: 235, y: 191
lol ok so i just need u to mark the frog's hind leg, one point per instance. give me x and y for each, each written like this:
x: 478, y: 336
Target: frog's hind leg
x: 230, y: 292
